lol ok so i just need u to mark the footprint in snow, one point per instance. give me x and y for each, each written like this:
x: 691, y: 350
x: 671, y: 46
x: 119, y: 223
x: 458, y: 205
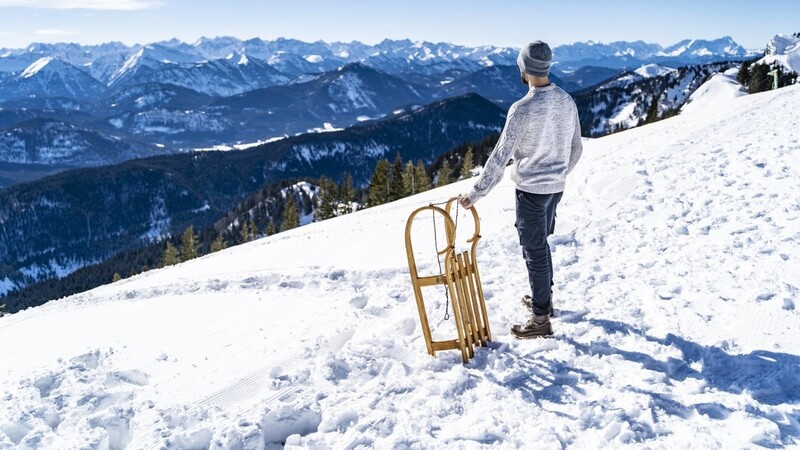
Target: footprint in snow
x: 359, y: 301
x: 292, y: 284
x: 408, y: 326
x: 765, y: 296
x: 336, y: 275
x: 217, y: 285
x: 128, y: 377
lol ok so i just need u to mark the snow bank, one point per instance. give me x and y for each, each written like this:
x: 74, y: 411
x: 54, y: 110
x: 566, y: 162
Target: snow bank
x: 676, y: 253
x: 720, y: 89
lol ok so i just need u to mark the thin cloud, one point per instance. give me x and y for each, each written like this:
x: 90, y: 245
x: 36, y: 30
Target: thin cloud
x: 110, y: 5
x: 55, y: 32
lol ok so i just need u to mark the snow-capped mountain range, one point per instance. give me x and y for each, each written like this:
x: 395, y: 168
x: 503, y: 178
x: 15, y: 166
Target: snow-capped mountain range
x: 175, y: 96
x: 632, y: 54
x: 113, y: 63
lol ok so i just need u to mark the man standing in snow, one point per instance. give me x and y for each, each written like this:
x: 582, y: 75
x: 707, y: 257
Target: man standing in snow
x: 543, y: 136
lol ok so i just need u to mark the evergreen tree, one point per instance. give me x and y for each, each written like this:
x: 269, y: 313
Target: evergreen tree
x: 252, y: 230
x: 467, y: 164
x: 290, y: 216
x: 170, y: 257
x: 218, y: 244
x: 422, y: 182
x: 347, y: 194
x: 408, y: 179
x: 2, y: 310
x: 398, y: 188
x: 244, y: 232
x: 652, y: 111
x: 744, y: 74
x: 327, y: 198
x: 189, y: 244
x: 114, y: 279
x: 379, y: 189
x: 760, y: 80
x: 271, y: 229
x: 444, y: 174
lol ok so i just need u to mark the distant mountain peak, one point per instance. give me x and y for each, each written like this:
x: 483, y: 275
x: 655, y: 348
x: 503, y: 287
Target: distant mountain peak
x: 784, y: 50
x: 653, y: 70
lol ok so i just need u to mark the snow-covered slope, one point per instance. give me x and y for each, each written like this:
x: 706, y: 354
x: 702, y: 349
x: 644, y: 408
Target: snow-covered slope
x: 49, y: 77
x: 653, y: 70
x: 643, y: 72
x: 222, y: 77
x: 627, y: 100
x: 720, y: 89
x: 676, y: 253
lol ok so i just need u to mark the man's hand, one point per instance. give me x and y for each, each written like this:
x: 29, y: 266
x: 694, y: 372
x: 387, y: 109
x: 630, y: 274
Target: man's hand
x: 464, y: 201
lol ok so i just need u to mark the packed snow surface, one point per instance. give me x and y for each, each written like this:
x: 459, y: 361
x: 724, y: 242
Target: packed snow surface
x: 676, y: 259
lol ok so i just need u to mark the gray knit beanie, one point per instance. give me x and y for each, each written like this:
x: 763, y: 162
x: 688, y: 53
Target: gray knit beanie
x: 534, y: 59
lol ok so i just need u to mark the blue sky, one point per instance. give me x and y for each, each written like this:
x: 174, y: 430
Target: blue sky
x: 508, y: 23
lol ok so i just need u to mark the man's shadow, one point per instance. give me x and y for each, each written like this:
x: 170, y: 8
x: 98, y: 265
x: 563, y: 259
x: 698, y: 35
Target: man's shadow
x: 770, y: 378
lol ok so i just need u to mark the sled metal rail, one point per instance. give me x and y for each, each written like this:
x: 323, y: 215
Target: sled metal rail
x: 462, y: 282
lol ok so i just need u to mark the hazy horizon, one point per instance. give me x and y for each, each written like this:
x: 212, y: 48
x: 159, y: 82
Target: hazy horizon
x: 510, y: 24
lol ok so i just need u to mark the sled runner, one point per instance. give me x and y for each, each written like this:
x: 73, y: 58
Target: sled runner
x: 462, y: 284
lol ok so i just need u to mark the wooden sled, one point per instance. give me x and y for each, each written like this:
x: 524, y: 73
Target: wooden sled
x: 462, y: 283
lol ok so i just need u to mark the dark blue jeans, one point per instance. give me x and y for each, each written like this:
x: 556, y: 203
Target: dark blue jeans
x: 536, y: 219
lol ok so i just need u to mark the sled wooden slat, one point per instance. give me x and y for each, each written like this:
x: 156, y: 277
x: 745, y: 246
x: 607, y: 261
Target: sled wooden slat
x: 432, y: 280
x: 452, y: 344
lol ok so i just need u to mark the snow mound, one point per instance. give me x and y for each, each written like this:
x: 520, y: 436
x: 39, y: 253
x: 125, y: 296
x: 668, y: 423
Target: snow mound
x: 717, y: 91
x: 676, y: 253
x: 653, y: 70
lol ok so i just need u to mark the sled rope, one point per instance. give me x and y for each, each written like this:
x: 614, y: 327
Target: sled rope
x: 439, y: 257
x: 439, y: 260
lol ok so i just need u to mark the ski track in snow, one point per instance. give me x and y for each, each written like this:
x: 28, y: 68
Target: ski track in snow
x: 675, y: 254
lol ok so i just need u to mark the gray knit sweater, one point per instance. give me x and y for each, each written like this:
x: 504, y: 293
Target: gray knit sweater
x: 543, y: 135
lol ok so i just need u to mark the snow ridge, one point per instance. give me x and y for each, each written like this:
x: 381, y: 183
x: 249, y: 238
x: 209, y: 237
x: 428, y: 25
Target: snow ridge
x: 34, y: 68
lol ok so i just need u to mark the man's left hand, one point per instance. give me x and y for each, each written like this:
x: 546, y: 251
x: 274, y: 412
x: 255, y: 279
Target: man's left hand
x: 465, y: 202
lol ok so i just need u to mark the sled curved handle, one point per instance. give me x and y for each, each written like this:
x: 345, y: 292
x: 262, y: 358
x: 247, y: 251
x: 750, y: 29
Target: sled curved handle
x: 449, y: 227
x: 477, y: 234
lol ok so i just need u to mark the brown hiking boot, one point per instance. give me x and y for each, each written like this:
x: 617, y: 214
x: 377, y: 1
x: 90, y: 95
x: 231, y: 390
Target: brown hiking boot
x: 527, y: 302
x: 537, y: 326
